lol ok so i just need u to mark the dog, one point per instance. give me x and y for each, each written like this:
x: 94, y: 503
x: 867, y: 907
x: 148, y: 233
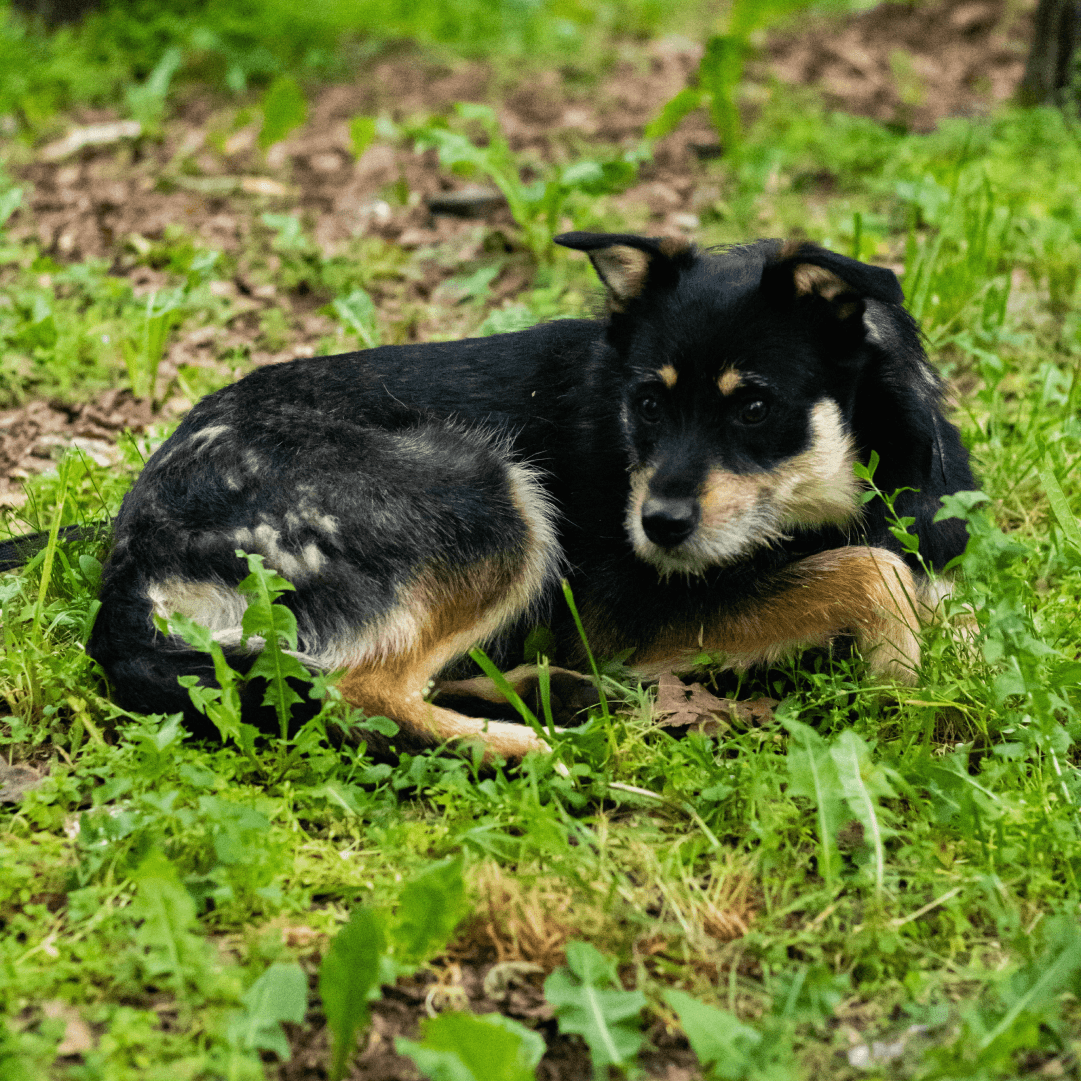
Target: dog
x: 686, y: 460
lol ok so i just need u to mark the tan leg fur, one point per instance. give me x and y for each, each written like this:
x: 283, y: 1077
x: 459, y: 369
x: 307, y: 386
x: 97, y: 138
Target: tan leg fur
x: 867, y: 592
x: 452, y: 616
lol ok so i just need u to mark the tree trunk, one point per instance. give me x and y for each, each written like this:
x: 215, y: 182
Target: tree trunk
x: 1049, y: 69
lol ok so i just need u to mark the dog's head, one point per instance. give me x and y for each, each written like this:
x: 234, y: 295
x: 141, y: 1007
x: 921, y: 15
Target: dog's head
x: 739, y: 374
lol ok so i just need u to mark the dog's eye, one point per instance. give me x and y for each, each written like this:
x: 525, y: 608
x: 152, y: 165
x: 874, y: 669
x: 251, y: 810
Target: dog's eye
x: 649, y: 409
x: 754, y: 412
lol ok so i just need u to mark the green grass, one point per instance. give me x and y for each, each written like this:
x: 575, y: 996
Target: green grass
x: 894, y: 860
x: 233, y: 44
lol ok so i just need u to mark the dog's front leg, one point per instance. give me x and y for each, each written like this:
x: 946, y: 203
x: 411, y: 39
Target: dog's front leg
x: 869, y: 593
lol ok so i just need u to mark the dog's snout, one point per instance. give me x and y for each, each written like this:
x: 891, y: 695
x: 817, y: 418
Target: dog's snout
x: 669, y: 522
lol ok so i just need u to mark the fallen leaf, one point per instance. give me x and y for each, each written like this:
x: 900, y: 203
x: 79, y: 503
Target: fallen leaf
x: 756, y: 711
x: 682, y: 705
x: 679, y: 704
x: 16, y: 781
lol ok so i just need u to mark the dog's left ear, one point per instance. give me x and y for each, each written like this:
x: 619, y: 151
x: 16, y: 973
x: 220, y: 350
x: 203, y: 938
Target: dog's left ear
x: 804, y: 271
x: 626, y: 263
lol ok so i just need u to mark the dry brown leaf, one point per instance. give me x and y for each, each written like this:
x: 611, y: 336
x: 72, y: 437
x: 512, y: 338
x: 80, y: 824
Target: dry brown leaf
x: 16, y: 781
x: 682, y: 705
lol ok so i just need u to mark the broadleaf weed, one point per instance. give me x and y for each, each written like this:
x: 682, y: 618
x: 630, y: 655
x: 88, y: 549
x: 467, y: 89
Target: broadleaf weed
x: 590, y: 1002
x: 466, y: 1047
x: 374, y: 948
x: 279, y: 994
x: 284, y: 110
x: 538, y: 206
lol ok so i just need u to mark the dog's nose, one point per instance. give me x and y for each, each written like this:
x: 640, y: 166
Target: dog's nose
x: 669, y: 522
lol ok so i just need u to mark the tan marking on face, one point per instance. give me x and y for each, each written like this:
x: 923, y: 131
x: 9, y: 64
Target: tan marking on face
x: 744, y: 511
x: 728, y: 496
x: 867, y: 592
x: 818, y: 487
x: 668, y: 375
x: 729, y: 382
x: 640, y: 479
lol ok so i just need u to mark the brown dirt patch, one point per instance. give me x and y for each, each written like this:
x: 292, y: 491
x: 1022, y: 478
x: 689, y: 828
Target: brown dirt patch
x: 912, y: 64
x: 900, y: 63
x: 465, y: 986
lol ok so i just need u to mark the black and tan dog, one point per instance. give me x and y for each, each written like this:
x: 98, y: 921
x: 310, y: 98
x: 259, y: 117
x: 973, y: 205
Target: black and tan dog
x: 687, y: 461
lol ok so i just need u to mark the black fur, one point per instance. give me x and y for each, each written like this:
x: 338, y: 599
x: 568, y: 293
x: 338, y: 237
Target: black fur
x: 408, y: 448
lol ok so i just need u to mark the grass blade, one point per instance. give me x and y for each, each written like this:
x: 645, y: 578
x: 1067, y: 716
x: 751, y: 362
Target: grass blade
x: 481, y: 659
x: 585, y: 645
x: 50, y: 545
x: 1060, y: 505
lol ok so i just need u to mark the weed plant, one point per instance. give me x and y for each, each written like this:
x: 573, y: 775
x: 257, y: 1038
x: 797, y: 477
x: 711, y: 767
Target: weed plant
x: 867, y: 881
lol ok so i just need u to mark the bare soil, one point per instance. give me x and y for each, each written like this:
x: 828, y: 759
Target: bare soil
x: 900, y: 63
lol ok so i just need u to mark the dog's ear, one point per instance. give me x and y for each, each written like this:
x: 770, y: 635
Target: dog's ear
x: 803, y: 271
x: 626, y: 263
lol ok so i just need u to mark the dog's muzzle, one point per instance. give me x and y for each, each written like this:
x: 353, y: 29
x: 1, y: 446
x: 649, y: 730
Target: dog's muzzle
x: 669, y: 522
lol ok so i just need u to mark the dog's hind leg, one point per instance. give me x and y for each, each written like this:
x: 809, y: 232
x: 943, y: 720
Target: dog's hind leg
x: 449, y: 613
x: 446, y: 608
x: 406, y: 545
x: 869, y: 593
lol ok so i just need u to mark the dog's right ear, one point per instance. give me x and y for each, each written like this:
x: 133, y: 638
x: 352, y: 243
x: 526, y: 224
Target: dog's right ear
x: 626, y: 263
